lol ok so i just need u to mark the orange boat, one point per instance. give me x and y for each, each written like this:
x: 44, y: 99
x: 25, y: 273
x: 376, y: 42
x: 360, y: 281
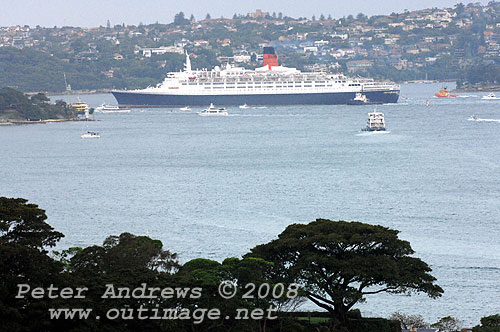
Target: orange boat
x: 444, y: 93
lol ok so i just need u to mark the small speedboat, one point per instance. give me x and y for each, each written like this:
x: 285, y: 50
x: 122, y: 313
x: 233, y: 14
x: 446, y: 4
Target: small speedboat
x: 213, y: 111
x: 490, y: 96
x: 244, y: 106
x: 473, y: 118
x: 90, y: 134
x: 185, y: 108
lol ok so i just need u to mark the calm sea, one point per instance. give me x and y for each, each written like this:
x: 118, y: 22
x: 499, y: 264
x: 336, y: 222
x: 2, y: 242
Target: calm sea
x: 216, y: 187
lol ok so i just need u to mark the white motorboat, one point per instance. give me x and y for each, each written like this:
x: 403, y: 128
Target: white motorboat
x: 491, y: 96
x: 376, y: 122
x: 244, y: 106
x: 90, y: 134
x: 111, y: 109
x: 213, y: 111
x: 473, y: 118
x: 186, y: 108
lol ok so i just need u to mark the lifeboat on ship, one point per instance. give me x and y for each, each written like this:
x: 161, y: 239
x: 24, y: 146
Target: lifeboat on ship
x: 443, y: 93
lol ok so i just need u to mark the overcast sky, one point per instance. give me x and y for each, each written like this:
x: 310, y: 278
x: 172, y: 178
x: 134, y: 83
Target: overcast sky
x: 93, y: 13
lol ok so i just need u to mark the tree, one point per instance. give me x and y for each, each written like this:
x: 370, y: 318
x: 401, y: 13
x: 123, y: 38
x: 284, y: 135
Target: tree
x: 459, y: 8
x: 488, y: 324
x: 338, y: 263
x: 40, y: 98
x: 208, y: 17
x: 313, y: 18
x: 24, y: 234
x: 329, y: 17
x: 192, y: 19
x: 361, y: 17
x: 126, y: 252
x: 24, y: 224
x: 179, y: 19
x: 448, y: 324
x: 409, y: 321
x: 321, y: 17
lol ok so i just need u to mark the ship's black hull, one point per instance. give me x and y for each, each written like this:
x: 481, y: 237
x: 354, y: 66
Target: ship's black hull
x: 132, y: 99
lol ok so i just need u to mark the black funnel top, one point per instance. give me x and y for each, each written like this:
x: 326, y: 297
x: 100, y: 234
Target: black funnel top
x: 268, y: 50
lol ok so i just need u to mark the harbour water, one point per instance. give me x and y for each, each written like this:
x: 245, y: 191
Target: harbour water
x: 215, y: 187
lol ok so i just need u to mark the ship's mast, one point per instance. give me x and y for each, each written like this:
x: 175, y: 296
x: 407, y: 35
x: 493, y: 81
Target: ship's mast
x: 68, y: 87
x: 187, y: 65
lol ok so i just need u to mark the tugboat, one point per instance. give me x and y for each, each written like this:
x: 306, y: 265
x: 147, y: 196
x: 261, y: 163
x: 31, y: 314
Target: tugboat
x: 443, y: 93
x: 376, y: 122
x: 359, y: 99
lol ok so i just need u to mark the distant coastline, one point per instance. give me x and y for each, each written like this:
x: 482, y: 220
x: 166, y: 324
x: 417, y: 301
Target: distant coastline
x: 478, y: 88
x: 74, y: 92
x: 25, y: 122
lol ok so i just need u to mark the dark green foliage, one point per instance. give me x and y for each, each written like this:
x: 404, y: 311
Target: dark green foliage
x: 23, y: 260
x: 373, y: 324
x: 338, y: 263
x: 138, y: 261
x: 32, y: 70
x: 16, y: 105
x: 488, y: 324
x: 24, y: 224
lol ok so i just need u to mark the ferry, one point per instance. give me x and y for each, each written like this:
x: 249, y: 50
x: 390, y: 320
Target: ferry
x: 376, y: 122
x: 81, y: 107
x: 271, y: 84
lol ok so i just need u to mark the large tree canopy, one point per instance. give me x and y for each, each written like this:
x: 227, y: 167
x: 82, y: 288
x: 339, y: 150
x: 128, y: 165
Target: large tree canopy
x: 338, y: 263
x: 24, y: 224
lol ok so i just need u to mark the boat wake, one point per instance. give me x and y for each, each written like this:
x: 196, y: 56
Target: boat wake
x: 396, y: 104
x: 484, y: 120
x: 370, y: 133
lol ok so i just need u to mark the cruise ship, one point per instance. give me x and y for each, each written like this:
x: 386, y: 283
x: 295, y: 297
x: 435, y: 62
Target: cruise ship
x: 271, y: 84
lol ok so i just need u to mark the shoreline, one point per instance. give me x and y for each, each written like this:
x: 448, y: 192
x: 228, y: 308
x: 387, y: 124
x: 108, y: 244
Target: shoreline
x: 490, y: 88
x: 24, y: 122
x: 73, y: 92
